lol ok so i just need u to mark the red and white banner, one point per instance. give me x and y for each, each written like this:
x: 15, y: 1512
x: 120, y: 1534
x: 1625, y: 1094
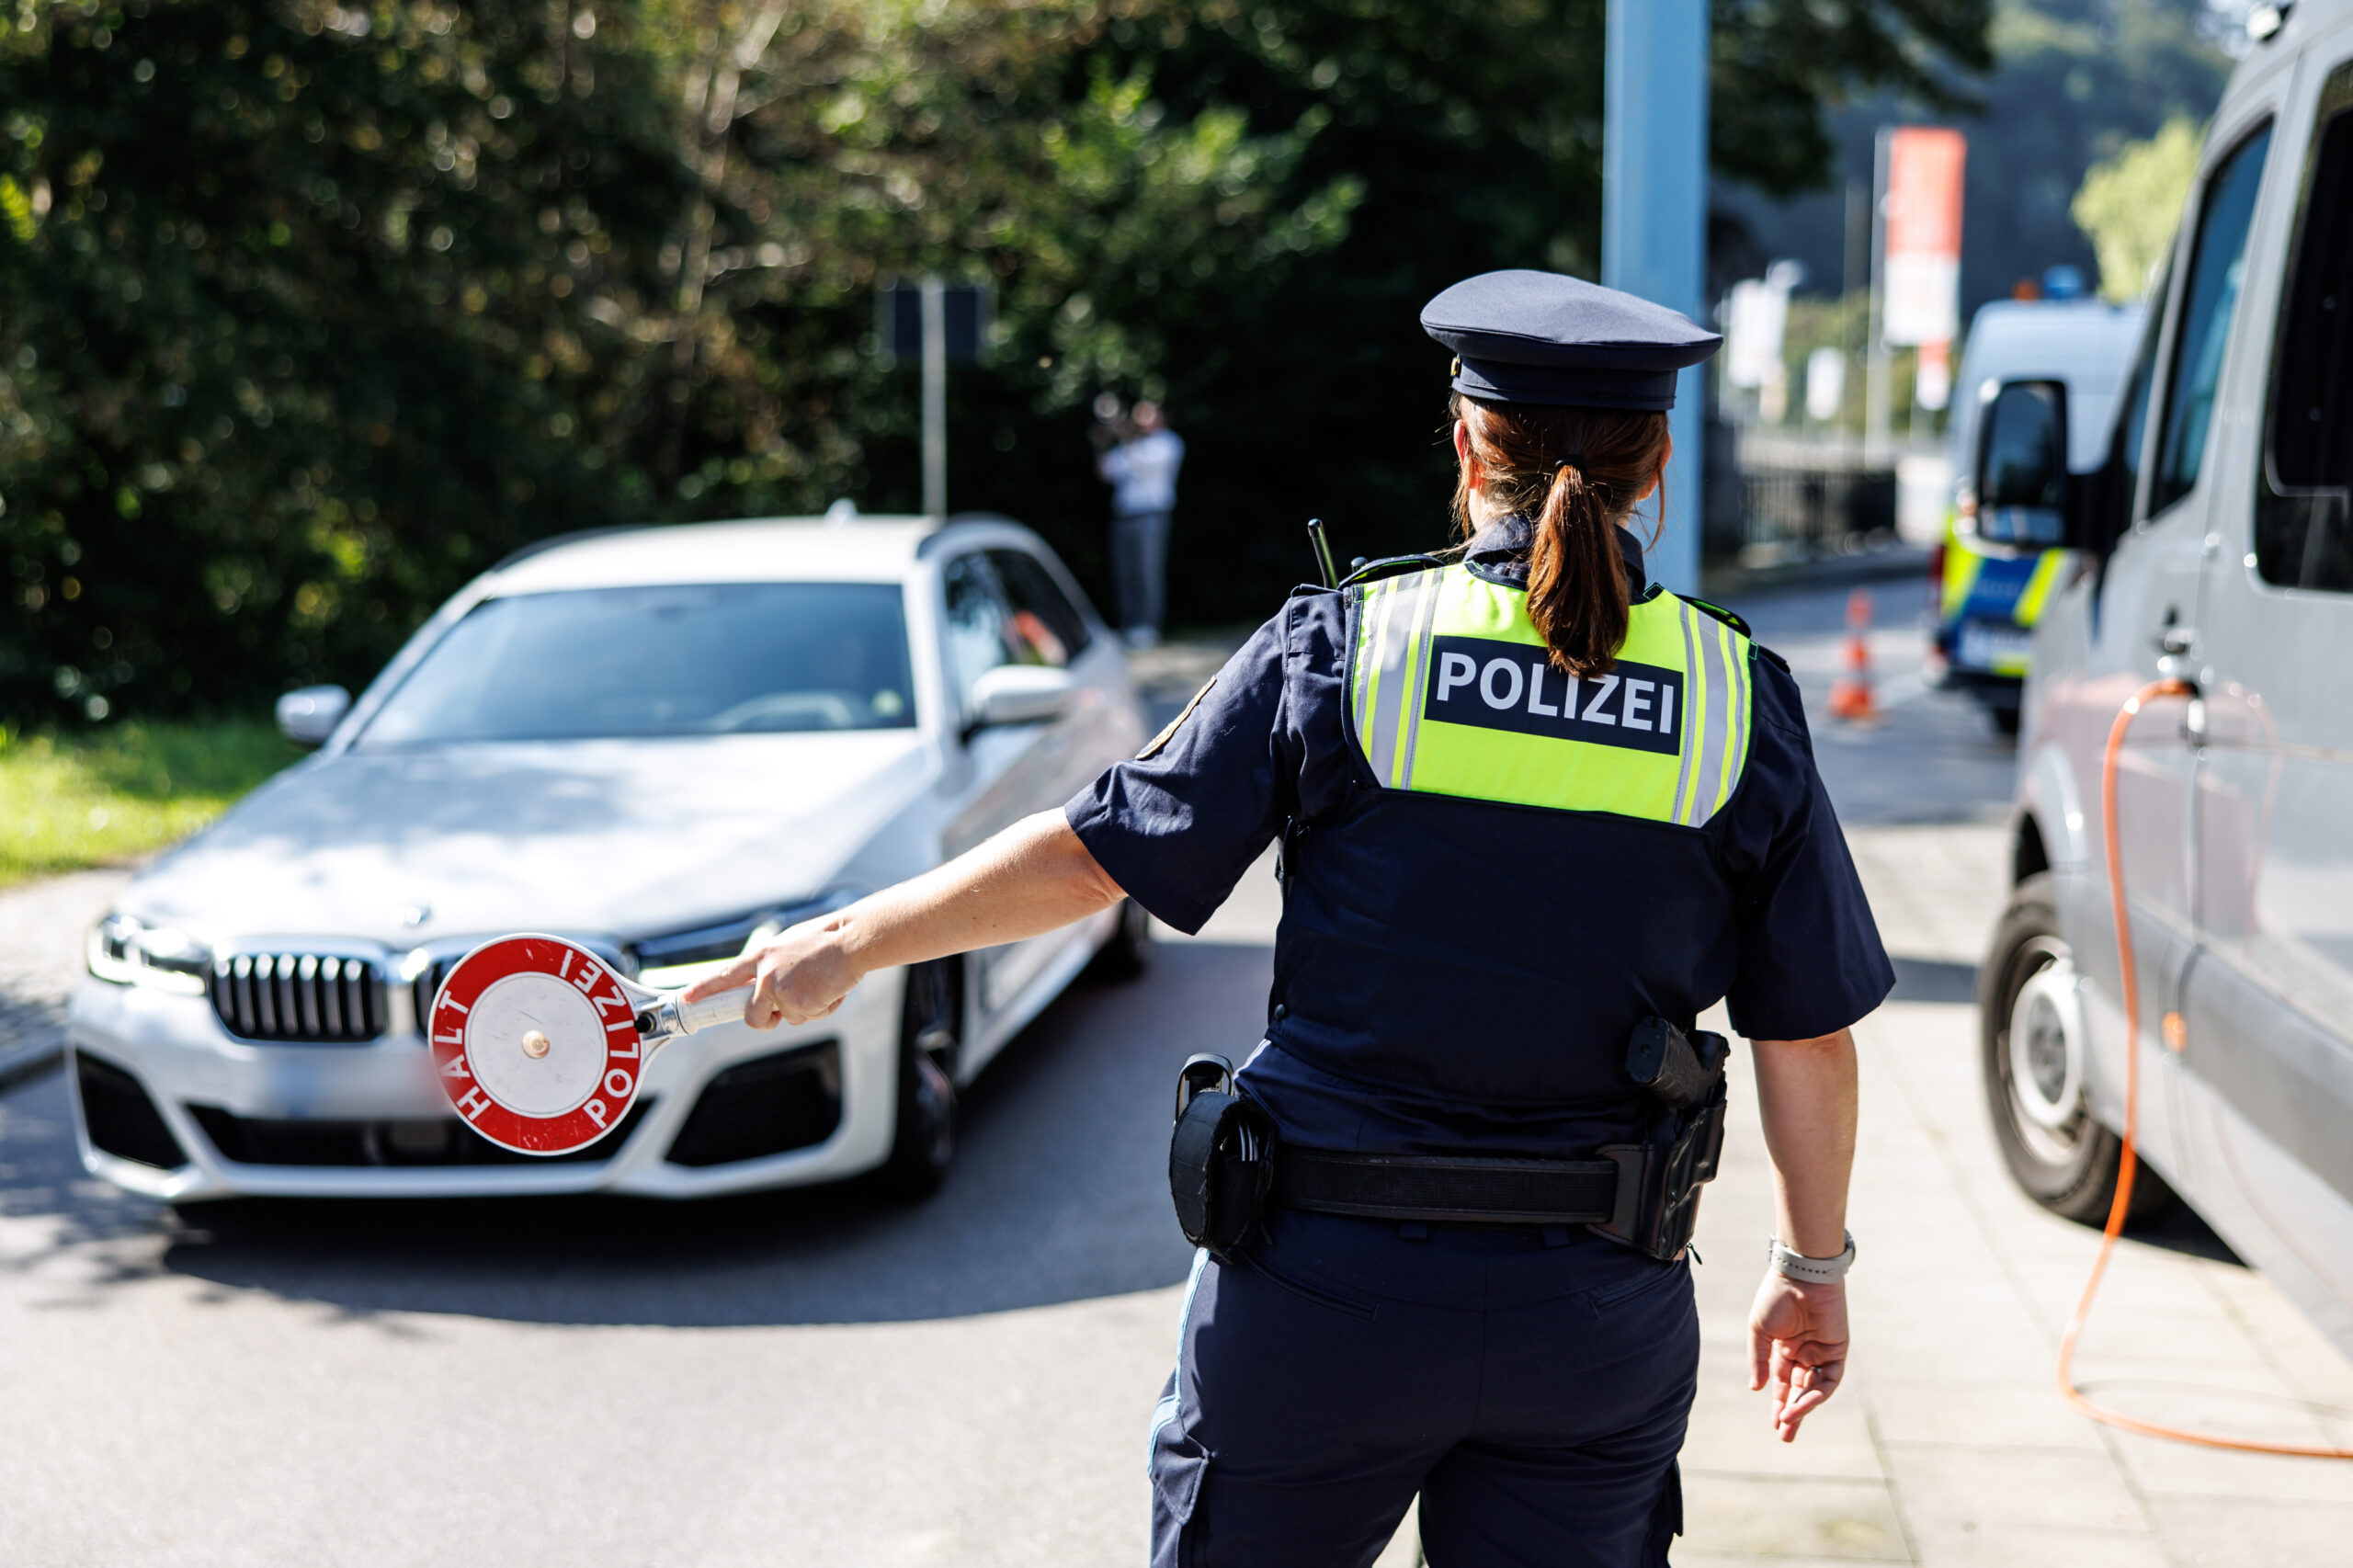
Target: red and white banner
x: 1922, y: 254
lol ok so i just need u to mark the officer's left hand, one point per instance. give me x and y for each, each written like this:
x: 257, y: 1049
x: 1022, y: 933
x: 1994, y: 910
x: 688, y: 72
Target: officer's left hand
x: 804, y: 974
x: 1797, y: 1341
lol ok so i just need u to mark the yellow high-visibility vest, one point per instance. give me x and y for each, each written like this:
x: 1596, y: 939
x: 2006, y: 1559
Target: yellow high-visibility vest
x: 1450, y: 693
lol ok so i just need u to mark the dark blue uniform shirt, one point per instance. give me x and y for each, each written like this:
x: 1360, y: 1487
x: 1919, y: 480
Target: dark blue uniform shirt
x: 1461, y: 977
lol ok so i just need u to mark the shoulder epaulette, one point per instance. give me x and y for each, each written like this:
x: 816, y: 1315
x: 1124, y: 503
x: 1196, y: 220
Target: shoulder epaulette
x: 1391, y: 566
x: 1720, y: 614
x: 1768, y: 654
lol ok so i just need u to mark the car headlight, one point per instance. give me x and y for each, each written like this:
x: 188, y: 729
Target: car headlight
x: 123, y: 951
x: 682, y: 958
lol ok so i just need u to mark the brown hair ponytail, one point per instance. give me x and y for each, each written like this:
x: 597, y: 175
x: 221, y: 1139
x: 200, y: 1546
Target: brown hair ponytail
x: 1575, y: 472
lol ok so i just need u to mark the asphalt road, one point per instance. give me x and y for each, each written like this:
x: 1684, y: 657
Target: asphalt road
x: 812, y: 1378
x: 1930, y: 758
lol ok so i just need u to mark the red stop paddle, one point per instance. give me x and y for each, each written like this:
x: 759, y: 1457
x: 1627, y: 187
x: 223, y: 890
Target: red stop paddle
x: 540, y: 1046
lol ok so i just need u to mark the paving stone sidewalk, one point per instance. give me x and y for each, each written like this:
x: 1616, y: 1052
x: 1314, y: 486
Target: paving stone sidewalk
x: 1949, y: 1444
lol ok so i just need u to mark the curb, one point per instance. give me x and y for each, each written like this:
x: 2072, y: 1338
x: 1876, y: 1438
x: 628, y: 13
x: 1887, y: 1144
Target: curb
x: 32, y: 1040
x: 29, y: 1066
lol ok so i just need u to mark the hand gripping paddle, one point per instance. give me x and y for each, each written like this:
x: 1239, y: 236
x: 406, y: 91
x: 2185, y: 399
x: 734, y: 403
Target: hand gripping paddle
x: 540, y: 1046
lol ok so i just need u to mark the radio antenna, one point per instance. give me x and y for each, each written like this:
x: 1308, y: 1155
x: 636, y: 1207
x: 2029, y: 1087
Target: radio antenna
x: 1322, y: 552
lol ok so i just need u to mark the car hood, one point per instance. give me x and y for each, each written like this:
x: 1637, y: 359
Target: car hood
x: 623, y: 837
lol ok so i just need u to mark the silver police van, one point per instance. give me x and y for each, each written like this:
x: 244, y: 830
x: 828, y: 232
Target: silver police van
x: 2217, y: 548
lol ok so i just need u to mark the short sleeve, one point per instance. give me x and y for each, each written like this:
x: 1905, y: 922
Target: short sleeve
x: 1811, y: 959
x: 1177, y: 826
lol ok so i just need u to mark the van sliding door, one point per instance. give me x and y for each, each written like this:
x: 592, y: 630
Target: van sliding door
x: 2268, y: 1015
x: 2148, y: 594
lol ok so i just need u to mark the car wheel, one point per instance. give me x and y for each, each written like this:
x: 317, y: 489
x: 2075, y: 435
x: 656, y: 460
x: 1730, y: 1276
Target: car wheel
x: 1129, y: 952
x: 2030, y: 1022
x: 924, y: 1141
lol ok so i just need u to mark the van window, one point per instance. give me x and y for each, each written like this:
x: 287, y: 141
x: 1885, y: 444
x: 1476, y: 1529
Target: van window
x: 2112, y: 498
x: 2211, y: 290
x: 2108, y: 499
x: 2300, y: 531
x: 2132, y: 424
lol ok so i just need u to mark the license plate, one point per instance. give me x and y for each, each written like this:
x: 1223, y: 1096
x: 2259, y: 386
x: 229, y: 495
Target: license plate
x: 2001, y: 649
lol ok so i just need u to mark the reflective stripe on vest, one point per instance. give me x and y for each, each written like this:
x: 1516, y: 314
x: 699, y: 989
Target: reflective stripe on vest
x: 1450, y: 693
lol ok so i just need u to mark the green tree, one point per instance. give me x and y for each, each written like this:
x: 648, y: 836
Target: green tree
x: 305, y: 321
x: 310, y: 310
x: 1781, y: 64
x: 984, y: 141
x: 2075, y: 80
x: 2130, y: 205
x: 308, y: 313
x: 1474, y: 134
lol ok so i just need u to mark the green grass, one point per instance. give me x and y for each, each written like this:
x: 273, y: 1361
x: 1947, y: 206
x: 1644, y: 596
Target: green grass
x: 112, y: 795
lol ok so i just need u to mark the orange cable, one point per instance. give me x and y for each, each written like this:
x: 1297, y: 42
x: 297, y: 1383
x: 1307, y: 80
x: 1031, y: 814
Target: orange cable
x: 2130, y: 980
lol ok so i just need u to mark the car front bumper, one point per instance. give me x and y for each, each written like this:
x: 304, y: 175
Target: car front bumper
x: 374, y: 1106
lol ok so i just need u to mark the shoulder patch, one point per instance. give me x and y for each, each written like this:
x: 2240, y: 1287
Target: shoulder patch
x: 1151, y: 748
x: 1724, y: 615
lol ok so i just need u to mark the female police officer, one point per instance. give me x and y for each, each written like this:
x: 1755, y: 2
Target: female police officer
x: 1530, y: 807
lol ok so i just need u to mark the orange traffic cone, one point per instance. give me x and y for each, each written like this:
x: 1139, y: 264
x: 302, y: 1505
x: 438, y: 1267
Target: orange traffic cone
x: 1851, y: 695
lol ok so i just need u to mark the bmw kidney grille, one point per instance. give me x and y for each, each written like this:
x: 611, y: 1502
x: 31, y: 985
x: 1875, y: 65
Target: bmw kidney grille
x: 311, y: 997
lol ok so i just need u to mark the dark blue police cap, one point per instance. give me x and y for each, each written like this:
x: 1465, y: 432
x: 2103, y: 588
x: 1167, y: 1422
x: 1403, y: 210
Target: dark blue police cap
x: 1523, y: 336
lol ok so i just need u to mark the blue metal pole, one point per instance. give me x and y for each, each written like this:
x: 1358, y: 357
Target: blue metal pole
x: 1655, y: 218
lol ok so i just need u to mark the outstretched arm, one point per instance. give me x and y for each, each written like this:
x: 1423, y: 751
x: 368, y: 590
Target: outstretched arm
x: 1033, y: 878
x: 1797, y: 1331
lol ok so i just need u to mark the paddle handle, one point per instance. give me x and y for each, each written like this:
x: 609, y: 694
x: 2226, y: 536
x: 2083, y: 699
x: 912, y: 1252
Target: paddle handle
x: 720, y: 1007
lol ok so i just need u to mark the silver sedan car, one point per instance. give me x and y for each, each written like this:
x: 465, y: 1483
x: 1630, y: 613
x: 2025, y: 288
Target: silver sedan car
x: 666, y: 743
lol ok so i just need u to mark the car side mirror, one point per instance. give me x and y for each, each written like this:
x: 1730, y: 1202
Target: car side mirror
x: 1019, y: 694
x: 309, y: 716
x: 2021, y: 483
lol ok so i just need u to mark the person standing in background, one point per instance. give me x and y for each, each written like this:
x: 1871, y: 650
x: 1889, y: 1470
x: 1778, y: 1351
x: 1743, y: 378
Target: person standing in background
x: 1142, y: 471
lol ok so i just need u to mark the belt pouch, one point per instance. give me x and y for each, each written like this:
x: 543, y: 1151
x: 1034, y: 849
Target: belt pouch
x: 1220, y: 1167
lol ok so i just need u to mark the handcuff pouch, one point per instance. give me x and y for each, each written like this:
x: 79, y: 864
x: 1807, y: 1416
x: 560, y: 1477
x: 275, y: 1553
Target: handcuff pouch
x: 1221, y: 1158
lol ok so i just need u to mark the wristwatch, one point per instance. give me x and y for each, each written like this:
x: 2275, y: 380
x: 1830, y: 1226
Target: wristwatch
x: 1810, y: 1270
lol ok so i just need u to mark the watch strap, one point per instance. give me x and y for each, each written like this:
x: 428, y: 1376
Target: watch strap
x: 1810, y: 1270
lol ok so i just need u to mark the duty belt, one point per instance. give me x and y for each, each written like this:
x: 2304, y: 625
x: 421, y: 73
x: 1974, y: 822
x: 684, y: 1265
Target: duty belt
x: 1225, y: 1164
x: 1541, y: 1192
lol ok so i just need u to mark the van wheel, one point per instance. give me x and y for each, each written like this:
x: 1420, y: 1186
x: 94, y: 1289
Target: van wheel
x: 1129, y: 952
x: 2030, y: 1023
x: 924, y: 1142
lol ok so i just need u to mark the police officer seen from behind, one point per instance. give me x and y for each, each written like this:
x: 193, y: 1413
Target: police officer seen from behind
x: 1536, y: 815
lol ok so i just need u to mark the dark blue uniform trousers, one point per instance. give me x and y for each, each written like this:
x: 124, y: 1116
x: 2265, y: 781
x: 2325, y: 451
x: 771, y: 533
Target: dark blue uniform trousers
x: 1531, y: 1386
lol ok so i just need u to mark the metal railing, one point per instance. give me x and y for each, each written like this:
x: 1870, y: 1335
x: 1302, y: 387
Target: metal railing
x: 1801, y: 499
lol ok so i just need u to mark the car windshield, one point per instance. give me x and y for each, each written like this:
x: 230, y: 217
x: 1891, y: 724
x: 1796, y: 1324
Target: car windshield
x: 727, y: 659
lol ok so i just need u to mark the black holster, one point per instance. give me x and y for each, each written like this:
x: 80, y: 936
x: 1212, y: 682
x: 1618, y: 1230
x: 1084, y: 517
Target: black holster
x: 1221, y: 1158
x: 1659, y: 1180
